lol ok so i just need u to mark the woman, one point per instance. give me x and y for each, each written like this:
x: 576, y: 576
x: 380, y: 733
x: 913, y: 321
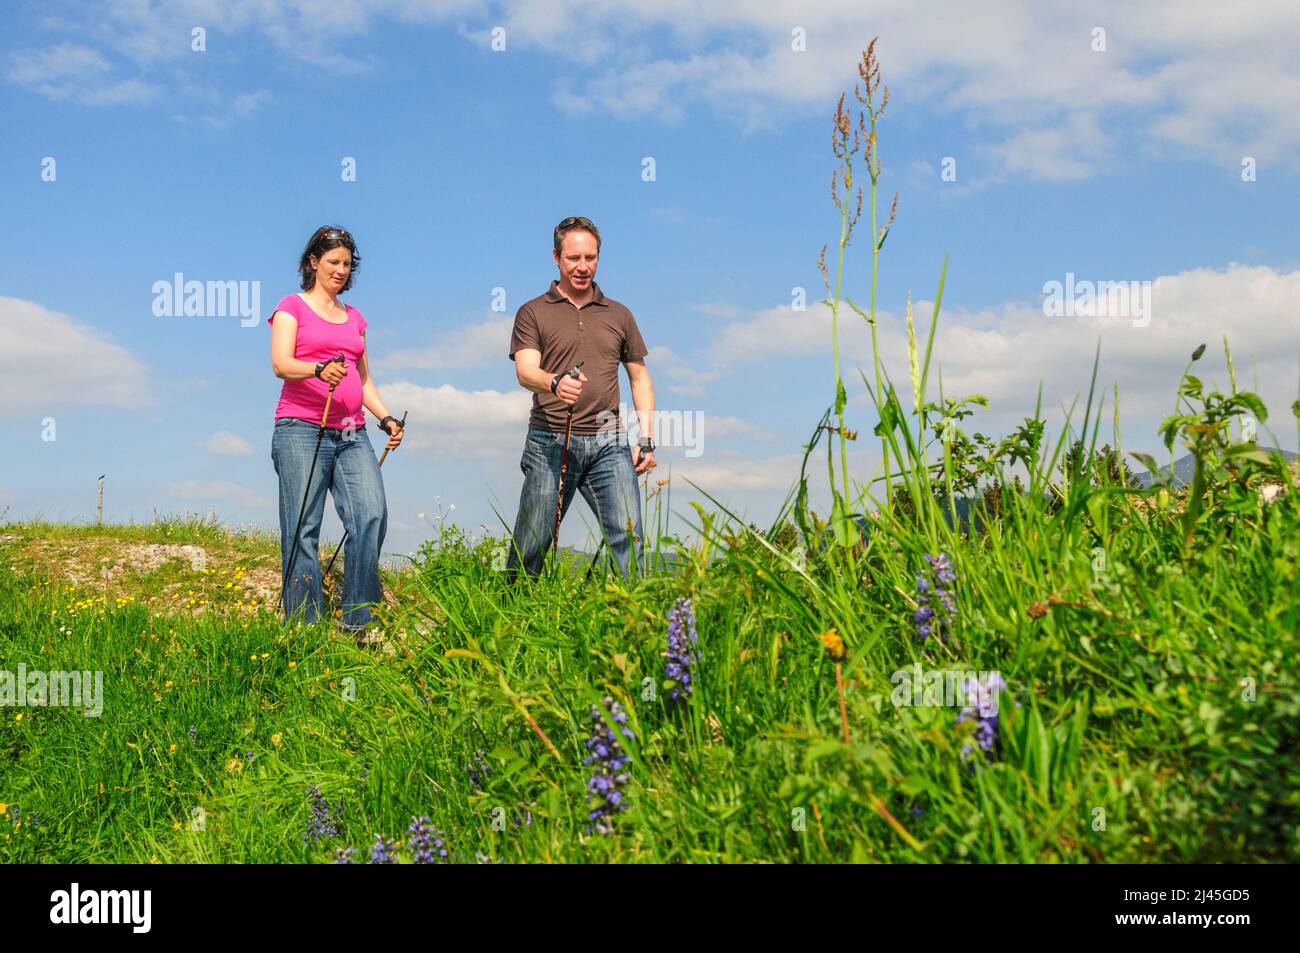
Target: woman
x: 310, y: 332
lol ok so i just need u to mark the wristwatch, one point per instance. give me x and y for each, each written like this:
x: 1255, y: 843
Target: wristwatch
x: 320, y: 366
x: 646, y: 444
x: 555, y: 382
x: 383, y: 424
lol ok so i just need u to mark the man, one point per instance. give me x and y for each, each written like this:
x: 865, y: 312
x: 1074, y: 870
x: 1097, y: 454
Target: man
x: 574, y: 322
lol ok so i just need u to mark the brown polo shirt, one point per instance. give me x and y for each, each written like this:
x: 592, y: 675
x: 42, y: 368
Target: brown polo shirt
x: 603, y: 335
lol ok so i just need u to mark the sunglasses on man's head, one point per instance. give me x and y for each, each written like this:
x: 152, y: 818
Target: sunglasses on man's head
x: 575, y: 220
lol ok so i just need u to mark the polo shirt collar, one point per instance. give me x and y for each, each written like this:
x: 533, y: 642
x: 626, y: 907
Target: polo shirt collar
x: 553, y: 294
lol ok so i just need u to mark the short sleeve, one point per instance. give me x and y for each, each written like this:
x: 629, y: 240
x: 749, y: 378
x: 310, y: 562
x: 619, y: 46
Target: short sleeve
x: 633, y: 347
x: 289, y: 304
x: 525, y: 333
x: 362, y: 323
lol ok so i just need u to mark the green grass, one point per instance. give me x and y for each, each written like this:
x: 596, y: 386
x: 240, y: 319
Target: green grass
x: 1128, y: 684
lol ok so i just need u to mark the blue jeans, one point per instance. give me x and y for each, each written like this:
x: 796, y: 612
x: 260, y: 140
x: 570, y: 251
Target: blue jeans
x: 346, y: 467
x: 600, y: 467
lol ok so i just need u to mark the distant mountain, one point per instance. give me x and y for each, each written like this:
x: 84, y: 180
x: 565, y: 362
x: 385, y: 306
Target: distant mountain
x: 1184, y: 467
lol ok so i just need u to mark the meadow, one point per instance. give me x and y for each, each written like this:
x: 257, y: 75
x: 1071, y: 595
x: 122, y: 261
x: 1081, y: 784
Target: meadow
x: 778, y: 693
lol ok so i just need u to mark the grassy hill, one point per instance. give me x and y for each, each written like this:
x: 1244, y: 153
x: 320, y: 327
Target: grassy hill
x: 1149, y: 714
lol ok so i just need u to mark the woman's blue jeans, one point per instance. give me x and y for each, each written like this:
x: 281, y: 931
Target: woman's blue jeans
x: 347, y: 468
x: 600, y: 468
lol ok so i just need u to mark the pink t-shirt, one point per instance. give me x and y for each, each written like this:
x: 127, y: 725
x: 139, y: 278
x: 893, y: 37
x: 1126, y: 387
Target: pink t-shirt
x: 319, y: 340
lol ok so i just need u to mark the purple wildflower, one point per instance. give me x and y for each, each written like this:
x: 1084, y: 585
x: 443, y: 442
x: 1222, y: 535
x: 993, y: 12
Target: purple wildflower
x: 31, y: 819
x: 323, y: 823
x: 343, y: 855
x: 936, y: 608
x: 605, y: 789
x: 381, y: 851
x: 984, y: 713
x: 478, y: 769
x: 427, y: 845
x: 682, y: 643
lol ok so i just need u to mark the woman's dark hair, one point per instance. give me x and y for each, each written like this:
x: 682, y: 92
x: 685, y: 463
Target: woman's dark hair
x: 327, y: 238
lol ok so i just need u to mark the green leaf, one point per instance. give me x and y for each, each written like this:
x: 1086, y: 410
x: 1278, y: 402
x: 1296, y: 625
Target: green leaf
x: 888, y: 421
x: 1147, y: 461
x: 842, y: 523
x: 1251, y: 402
x: 823, y: 748
x: 841, y: 397
x: 1096, y: 504
x: 1246, y: 451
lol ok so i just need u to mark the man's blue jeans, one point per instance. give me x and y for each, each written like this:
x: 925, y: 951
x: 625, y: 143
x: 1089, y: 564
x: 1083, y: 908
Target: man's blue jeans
x: 348, y: 469
x: 600, y: 467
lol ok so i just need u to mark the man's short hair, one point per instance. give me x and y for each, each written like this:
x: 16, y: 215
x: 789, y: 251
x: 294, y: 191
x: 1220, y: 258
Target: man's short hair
x: 570, y: 224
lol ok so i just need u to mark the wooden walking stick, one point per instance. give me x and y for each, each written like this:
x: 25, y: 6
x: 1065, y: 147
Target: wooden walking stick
x: 320, y: 435
x: 564, y: 466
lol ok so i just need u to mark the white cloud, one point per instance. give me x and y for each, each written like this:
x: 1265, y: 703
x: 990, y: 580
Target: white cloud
x: 1066, y: 152
x: 452, y: 422
x: 1206, y: 77
x: 471, y: 345
x: 211, y: 492
x: 226, y: 112
x: 1023, y: 75
x: 57, y: 361
x: 71, y: 71
x: 734, y: 427
x: 1006, y: 352
x: 728, y: 477
x: 228, y: 444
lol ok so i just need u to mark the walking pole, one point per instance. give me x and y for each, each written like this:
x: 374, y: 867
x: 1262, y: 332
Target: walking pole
x: 593, y: 559
x: 564, y: 466
x: 400, y: 426
x: 320, y: 435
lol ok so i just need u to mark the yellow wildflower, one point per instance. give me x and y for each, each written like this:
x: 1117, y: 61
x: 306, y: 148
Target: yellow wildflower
x: 834, y: 644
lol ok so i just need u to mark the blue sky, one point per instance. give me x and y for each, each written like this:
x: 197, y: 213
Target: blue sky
x: 1122, y: 164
